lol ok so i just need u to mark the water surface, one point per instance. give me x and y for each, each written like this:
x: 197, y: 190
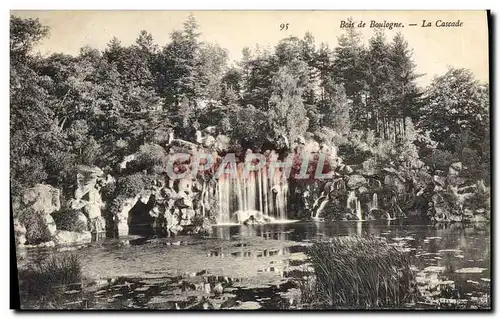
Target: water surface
x: 251, y: 267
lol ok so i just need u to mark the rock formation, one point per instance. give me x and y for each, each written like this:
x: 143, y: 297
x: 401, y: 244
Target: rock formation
x: 33, y: 222
x: 457, y: 199
x: 87, y: 198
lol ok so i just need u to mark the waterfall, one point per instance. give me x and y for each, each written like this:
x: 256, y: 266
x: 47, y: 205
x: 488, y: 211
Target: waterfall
x: 375, y: 201
x: 353, y: 204
x: 223, y: 193
x: 359, y: 213
x: 351, y: 199
x: 253, y: 192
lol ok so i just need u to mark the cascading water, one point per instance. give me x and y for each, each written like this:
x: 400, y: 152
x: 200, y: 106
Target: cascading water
x: 375, y: 201
x: 252, y: 191
x: 354, y: 204
x: 359, y: 213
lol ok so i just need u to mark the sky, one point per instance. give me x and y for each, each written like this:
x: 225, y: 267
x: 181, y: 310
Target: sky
x: 434, y: 48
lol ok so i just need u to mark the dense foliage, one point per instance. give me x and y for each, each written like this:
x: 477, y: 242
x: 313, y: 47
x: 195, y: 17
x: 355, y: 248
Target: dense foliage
x: 98, y: 106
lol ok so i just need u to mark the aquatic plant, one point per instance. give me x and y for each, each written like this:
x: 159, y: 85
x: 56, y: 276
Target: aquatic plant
x: 46, y: 275
x: 355, y: 272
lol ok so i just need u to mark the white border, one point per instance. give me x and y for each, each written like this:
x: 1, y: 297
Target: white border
x: 210, y: 5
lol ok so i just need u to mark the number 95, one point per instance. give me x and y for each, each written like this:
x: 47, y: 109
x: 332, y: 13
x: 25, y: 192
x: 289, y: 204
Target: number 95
x: 284, y: 26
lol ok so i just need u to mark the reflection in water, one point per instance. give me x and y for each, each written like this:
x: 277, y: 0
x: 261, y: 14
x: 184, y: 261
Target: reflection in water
x: 269, y: 231
x: 312, y: 230
x: 452, y: 262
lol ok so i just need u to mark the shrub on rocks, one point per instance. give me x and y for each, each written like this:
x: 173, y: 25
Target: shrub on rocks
x: 71, y: 220
x: 39, y: 227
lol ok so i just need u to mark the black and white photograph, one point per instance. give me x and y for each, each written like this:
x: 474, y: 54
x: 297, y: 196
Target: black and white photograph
x: 250, y: 160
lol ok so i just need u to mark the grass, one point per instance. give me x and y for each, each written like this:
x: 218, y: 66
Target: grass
x: 45, y: 278
x: 355, y: 272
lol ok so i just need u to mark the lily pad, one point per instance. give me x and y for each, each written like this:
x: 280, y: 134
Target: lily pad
x: 471, y: 270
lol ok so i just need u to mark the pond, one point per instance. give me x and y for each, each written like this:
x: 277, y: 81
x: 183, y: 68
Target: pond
x: 256, y: 267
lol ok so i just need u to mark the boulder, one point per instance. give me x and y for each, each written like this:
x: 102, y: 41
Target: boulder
x: 390, y: 170
x: 439, y: 180
x: 127, y: 159
x: 300, y: 140
x: 356, y: 181
x: 64, y: 237
x: 209, y: 141
x: 184, y: 186
x: 222, y: 143
x: 343, y: 169
x: 455, y: 180
x: 210, y: 130
x: 440, y: 205
x: 184, y: 202
x: 251, y: 217
x: 175, y: 229
x: 82, y: 221
x: 455, y: 168
x: 50, y: 224
x: 395, y: 183
x: 122, y: 215
x: 455, y: 218
x: 363, y: 190
x: 188, y: 213
x: 41, y: 198
x: 369, y: 167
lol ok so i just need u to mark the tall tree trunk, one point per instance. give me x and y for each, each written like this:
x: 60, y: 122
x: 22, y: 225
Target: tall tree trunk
x: 404, y: 125
x: 385, y: 127
x: 394, y: 128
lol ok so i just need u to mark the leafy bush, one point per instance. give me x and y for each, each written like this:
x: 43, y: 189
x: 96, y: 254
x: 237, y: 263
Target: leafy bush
x: 151, y: 155
x: 36, y: 228
x: 68, y: 219
x: 356, y: 272
x: 201, y: 225
x: 131, y: 185
x: 439, y: 159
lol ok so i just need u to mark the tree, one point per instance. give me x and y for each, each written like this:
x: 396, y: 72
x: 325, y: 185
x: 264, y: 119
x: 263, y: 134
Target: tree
x: 378, y: 101
x: 24, y: 35
x: 35, y: 138
x: 258, y: 70
x: 455, y: 103
x: 403, y: 88
x: 334, y: 107
x: 211, y: 67
x: 178, y: 76
x: 243, y: 123
x: 348, y: 69
x: 287, y: 114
